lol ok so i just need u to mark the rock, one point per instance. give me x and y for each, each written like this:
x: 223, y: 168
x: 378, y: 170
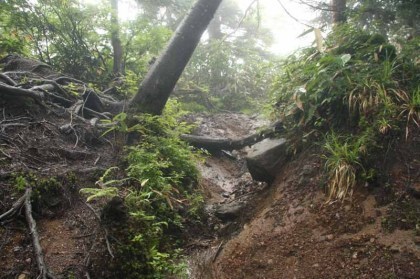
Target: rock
x: 330, y: 237
x: 265, y: 158
x: 229, y: 211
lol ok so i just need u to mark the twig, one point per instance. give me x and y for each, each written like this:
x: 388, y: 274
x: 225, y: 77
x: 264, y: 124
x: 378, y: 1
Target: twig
x: 219, y: 248
x: 240, y: 22
x: 42, y: 267
x: 294, y: 18
x: 315, y: 7
x: 108, y: 244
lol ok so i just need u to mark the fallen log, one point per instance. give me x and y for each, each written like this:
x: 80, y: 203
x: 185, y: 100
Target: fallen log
x: 215, y: 144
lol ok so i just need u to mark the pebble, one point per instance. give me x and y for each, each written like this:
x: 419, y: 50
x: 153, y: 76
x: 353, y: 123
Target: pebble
x: 372, y: 240
x: 330, y: 237
x: 28, y: 260
x: 17, y: 249
x: 315, y: 265
x: 23, y: 275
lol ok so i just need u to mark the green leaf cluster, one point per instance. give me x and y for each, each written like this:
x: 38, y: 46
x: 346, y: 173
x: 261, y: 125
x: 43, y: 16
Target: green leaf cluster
x: 159, y: 192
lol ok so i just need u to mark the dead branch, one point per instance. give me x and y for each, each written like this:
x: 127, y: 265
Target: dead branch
x: 14, y: 209
x: 42, y: 267
x: 108, y: 244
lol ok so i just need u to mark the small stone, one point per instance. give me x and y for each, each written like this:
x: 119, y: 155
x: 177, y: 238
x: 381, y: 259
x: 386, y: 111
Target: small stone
x: 354, y: 256
x: 28, y: 260
x: 315, y: 265
x: 330, y: 237
x: 270, y: 261
x: 226, y: 195
x: 17, y: 249
x: 372, y: 240
x: 347, y: 208
x: 24, y: 275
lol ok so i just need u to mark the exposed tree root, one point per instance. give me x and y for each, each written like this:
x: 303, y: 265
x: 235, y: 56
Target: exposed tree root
x: 25, y: 200
x: 44, y: 273
x: 14, y: 209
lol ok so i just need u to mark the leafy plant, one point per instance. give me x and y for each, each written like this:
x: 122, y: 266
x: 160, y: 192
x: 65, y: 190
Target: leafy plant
x: 360, y: 88
x: 108, y: 192
x: 158, y: 192
x: 343, y: 159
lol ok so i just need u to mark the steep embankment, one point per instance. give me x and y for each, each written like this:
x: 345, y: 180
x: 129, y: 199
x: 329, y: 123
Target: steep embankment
x: 289, y: 231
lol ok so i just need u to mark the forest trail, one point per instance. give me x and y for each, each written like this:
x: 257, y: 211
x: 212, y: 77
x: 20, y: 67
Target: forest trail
x: 287, y: 230
x: 253, y: 230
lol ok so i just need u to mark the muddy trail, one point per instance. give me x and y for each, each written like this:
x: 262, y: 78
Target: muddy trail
x: 287, y: 230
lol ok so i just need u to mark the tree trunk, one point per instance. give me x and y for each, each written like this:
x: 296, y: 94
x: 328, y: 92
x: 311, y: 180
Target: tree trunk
x: 339, y: 11
x: 159, y: 82
x: 115, y: 40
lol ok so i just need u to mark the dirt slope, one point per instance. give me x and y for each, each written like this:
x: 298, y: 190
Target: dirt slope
x: 296, y: 235
x: 56, y: 162
x: 288, y: 230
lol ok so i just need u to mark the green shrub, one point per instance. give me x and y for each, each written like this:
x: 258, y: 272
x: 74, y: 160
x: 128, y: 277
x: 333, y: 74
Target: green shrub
x: 358, y: 86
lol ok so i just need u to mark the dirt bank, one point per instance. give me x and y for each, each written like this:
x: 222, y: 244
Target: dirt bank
x: 288, y: 231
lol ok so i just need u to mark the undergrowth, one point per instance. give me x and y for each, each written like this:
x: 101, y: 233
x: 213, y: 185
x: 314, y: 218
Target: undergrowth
x: 360, y: 91
x: 159, y: 193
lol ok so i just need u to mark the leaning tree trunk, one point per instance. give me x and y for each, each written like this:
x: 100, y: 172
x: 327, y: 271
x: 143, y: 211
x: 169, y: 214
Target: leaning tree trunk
x: 339, y: 11
x: 159, y: 82
x: 115, y: 39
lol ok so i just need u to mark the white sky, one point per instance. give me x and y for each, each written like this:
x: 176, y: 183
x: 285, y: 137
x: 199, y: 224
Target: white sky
x: 285, y: 29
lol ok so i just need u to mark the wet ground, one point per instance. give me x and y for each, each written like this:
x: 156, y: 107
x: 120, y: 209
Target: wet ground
x: 287, y: 230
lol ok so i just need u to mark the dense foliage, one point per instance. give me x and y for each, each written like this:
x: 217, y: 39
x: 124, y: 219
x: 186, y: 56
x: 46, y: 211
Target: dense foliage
x: 159, y: 191
x: 360, y: 90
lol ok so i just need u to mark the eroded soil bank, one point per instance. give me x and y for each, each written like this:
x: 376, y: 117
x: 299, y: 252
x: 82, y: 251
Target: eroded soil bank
x: 287, y: 230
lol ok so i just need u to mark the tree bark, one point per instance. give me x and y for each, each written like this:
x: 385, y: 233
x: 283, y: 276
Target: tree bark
x: 159, y: 82
x: 115, y: 40
x: 339, y: 11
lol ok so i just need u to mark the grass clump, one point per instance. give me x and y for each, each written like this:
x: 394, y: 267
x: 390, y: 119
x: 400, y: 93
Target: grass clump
x: 361, y: 88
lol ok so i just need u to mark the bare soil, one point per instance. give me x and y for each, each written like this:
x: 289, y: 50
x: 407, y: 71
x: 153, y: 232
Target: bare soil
x: 56, y: 162
x: 289, y: 231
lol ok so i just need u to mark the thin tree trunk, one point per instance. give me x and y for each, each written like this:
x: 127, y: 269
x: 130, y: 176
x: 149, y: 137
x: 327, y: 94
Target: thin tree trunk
x: 159, y: 82
x: 339, y: 11
x: 115, y: 39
